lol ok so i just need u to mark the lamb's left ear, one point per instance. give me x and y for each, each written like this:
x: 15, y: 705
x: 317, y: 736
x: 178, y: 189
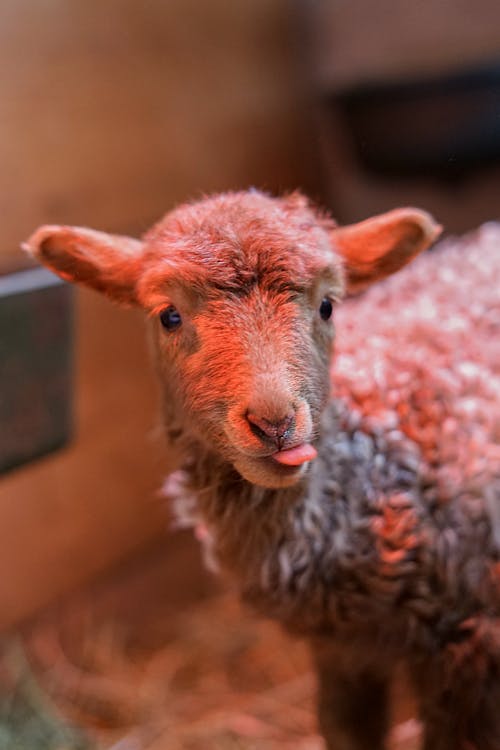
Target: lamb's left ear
x: 379, y: 246
x: 105, y: 262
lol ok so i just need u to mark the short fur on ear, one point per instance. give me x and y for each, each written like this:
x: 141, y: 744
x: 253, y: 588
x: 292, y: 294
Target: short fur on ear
x: 377, y: 247
x: 105, y: 262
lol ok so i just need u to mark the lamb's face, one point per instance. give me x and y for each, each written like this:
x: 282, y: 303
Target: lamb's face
x: 239, y: 289
x: 242, y: 320
x: 252, y: 373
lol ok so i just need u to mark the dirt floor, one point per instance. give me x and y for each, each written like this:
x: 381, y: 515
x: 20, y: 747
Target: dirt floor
x: 158, y: 657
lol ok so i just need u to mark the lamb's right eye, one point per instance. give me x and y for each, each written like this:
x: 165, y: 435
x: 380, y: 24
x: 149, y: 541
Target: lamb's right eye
x: 170, y: 318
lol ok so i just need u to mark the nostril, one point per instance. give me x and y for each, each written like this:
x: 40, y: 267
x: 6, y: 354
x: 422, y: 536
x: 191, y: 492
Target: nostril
x: 257, y: 431
x: 264, y: 428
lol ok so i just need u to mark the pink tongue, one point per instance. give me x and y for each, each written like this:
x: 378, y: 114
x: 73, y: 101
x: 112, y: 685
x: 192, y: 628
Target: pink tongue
x: 296, y: 456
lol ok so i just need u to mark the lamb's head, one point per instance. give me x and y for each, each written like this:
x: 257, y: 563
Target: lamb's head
x: 239, y: 289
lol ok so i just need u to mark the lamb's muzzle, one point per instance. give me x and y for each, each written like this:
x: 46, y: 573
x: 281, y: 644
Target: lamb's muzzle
x: 367, y: 518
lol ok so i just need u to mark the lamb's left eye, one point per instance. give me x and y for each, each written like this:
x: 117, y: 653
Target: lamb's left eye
x: 170, y: 318
x: 326, y: 308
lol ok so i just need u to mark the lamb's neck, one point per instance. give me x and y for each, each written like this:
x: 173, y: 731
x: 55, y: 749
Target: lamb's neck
x: 239, y: 521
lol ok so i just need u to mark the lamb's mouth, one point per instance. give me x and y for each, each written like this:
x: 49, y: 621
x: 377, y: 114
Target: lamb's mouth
x: 296, y: 456
x: 280, y: 469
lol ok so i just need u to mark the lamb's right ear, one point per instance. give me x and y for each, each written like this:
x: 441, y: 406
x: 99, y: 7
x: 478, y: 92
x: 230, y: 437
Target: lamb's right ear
x: 105, y: 262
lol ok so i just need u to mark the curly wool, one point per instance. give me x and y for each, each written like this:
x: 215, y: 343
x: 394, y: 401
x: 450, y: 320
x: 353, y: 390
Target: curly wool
x: 394, y: 534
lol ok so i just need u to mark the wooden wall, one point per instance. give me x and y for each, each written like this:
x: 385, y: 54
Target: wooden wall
x: 110, y: 113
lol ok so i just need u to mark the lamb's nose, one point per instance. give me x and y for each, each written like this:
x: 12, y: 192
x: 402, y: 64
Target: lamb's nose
x: 275, y: 431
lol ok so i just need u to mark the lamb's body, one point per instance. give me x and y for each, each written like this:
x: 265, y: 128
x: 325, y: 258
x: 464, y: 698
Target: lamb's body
x: 391, y: 548
x: 387, y: 545
x: 399, y: 511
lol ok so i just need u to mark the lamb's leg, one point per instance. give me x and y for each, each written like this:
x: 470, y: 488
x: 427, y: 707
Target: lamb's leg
x: 460, y: 691
x: 352, y: 704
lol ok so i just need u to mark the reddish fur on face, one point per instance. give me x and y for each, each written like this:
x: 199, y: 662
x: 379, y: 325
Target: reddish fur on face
x: 233, y: 241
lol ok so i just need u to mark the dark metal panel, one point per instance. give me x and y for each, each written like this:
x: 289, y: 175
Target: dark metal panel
x: 36, y: 321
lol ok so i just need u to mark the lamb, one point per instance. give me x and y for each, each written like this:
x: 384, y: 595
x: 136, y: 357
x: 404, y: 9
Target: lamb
x: 361, y: 508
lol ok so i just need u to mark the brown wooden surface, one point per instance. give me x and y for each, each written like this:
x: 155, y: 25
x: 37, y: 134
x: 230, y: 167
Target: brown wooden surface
x: 362, y: 41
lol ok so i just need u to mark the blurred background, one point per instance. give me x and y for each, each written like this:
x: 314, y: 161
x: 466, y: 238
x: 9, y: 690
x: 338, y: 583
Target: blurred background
x: 113, y: 112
